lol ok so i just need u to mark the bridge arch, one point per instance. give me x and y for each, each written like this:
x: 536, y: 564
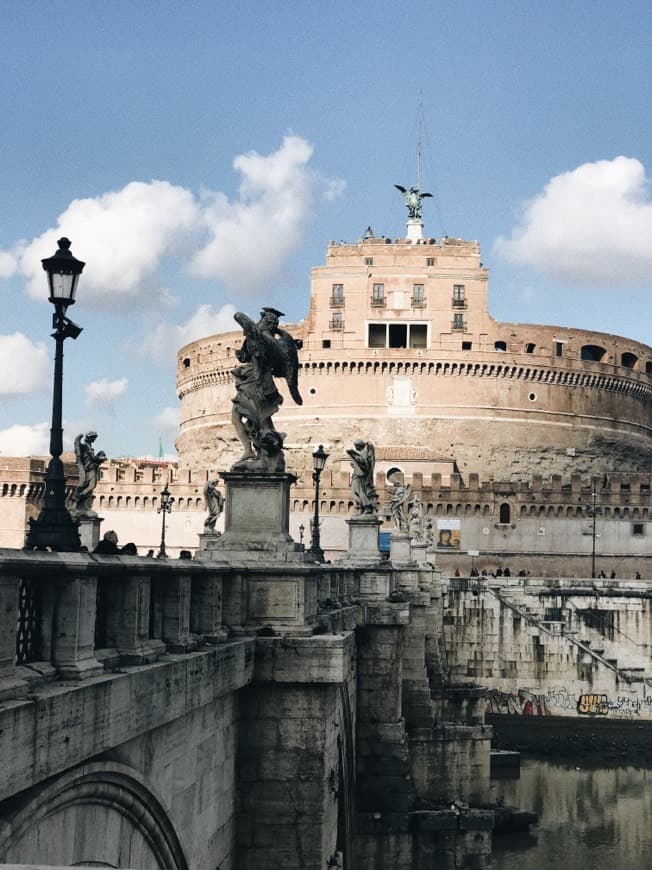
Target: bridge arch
x: 87, y: 800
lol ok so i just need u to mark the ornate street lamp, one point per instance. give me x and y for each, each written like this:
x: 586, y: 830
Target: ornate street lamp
x: 54, y: 528
x: 319, y: 458
x: 164, y: 508
x: 593, y: 510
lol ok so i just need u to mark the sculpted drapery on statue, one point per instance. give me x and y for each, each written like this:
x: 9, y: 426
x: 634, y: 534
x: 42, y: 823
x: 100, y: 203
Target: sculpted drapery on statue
x: 267, y: 352
x: 88, y: 465
x: 214, y: 501
x: 401, y: 495
x: 363, y: 460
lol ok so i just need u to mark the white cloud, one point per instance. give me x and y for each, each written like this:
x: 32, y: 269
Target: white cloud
x: 8, y: 264
x: 102, y: 394
x: 122, y: 236
x: 19, y: 440
x: 333, y: 189
x: 592, y: 225
x: 126, y: 236
x: 250, y: 239
x: 164, y: 341
x: 166, y: 421
x: 25, y: 365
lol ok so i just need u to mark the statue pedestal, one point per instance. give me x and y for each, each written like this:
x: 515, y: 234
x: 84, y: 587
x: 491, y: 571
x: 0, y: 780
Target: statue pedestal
x: 400, y: 551
x: 256, y: 520
x: 419, y: 552
x: 414, y: 229
x: 89, y: 530
x: 363, y: 540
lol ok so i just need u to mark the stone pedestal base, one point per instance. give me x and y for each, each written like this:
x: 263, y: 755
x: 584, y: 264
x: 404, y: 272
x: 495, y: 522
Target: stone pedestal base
x: 400, y: 551
x: 256, y: 520
x: 89, y: 530
x: 414, y: 230
x: 363, y: 540
x: 419, y: 552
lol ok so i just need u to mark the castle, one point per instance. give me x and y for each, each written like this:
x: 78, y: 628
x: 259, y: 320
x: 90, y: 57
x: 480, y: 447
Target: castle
x: 501, y: 423
x: 504, y: 431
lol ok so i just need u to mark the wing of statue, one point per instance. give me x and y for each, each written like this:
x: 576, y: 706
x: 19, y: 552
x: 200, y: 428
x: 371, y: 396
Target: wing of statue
x: 402, y: 189
x: 424, y: 195
x: 291, y: 364
x: 80, y: 460
x: 371, y: 457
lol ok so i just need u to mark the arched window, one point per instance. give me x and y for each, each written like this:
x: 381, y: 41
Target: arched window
x: 629, y: 360
x: 592, y: 352
x: 505, y: 513
x: 500, y: 345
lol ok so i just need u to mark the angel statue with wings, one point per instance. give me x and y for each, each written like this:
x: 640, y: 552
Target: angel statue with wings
x: 266, y: 352
x: 413, y: 199
x: 363, y: 460
x: 88, y: 465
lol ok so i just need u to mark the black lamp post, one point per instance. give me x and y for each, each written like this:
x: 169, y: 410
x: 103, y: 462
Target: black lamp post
x: 54, y: 527
x: 319, y: 458
x: 164, y: 508
x: 302, y: 529
x: 594, y: 511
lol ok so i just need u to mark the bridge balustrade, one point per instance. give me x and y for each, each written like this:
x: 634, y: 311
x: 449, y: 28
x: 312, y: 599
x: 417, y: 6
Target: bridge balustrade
x: 73, y: 615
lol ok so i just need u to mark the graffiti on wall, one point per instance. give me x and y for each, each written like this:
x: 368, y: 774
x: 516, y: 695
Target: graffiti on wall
x: 593, y: 705
x: 560, y: 702
x: 521, y: 702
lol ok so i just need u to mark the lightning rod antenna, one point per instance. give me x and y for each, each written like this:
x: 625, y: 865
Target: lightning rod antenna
x: 420, y: 142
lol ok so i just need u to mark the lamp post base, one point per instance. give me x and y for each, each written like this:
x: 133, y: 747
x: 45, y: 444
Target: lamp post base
x: 54, y: 529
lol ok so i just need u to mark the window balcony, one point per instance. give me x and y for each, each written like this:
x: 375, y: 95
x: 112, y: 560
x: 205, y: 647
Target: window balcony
x: 378, y: 302
x: 418, y: 302
x: 459, y: 303
x: 458, y: 326
x: 337, y: 301
x: 336, y: 324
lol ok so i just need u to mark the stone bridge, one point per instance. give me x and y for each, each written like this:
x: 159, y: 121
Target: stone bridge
x: 235, y: 715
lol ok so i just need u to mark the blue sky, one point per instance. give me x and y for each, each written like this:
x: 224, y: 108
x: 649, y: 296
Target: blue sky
x: 201, y: 155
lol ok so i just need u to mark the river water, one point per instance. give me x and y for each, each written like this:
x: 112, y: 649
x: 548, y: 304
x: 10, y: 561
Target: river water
x: 596, y: 818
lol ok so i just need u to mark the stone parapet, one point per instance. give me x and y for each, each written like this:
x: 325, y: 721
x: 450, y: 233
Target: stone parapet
x: 322, y: 658
x: 110, y: 710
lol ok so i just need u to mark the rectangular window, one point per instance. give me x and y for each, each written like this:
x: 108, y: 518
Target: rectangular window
x: 430, y: 261
x: 418, y: 296
x: 338, y: 320
x: 418, y: 335
x: 467, y: 345
x: 638, y: 529
x: 398, y: 335
x: 378, y: 295
x: 369, y: 261
x: 418, y: 292
x: 459, y: 299
x: 377, y: 335
x: 458, y: 321
x: 337, y: 295
x: 559, y: 348
x: 326, y: 343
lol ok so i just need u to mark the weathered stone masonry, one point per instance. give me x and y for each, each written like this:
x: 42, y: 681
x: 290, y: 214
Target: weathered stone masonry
x: 170, y: 722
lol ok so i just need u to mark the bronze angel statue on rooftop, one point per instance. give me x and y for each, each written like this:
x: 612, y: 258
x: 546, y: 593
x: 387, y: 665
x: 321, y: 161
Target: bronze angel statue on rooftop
x: 267, y: 352
x: 413, y: 199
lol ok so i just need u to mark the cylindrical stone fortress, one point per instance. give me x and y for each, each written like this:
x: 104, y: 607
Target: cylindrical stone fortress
x: 399, y: 348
